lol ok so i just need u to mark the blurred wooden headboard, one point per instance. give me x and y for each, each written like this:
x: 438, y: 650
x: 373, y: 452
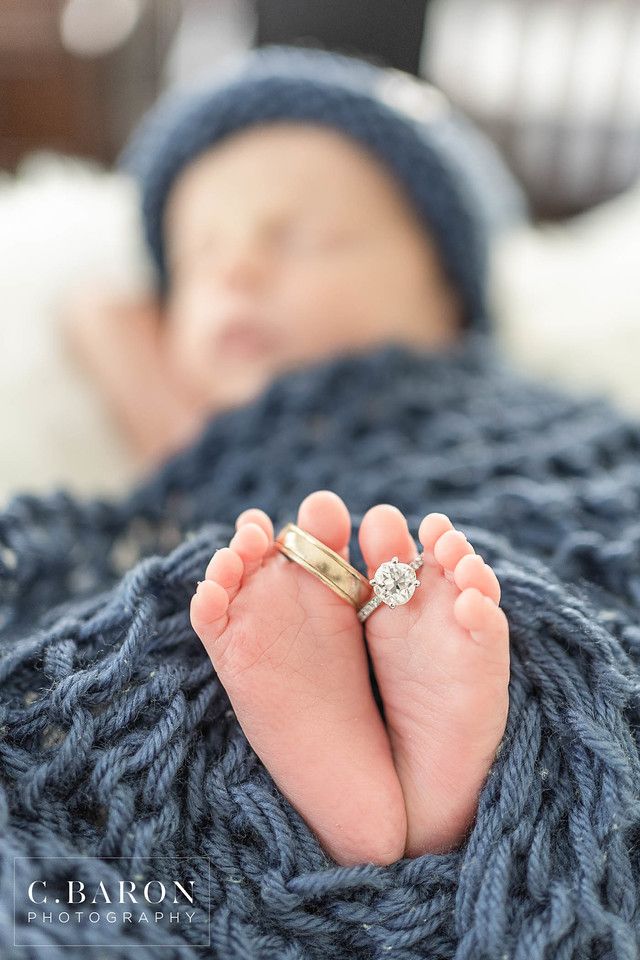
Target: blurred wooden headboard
x: 53, y: 99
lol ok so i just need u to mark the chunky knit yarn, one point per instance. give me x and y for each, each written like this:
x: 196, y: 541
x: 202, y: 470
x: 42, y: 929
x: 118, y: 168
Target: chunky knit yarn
x: 118, y: 740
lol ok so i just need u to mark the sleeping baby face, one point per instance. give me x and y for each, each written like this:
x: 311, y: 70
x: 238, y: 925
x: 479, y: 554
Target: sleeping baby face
x: 288, y: 243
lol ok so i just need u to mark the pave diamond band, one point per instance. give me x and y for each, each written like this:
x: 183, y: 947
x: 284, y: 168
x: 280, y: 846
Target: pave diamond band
x: 393, y: 584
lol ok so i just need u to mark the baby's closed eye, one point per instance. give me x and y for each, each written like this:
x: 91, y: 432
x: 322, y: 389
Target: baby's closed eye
x: 305, y: 237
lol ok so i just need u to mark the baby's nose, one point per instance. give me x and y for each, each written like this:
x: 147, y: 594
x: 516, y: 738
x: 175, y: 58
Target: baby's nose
x: 243, y: 264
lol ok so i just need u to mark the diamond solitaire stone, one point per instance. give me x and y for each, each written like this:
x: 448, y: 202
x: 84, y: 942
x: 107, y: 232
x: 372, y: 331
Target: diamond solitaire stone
x: 394, y: 582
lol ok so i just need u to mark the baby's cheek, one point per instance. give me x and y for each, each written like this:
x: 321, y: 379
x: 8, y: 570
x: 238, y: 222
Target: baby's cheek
x: 325, y: 310
x: 186, y: 344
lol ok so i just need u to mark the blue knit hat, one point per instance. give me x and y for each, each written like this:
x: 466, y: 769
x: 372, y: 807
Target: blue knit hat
x: 453, y: 175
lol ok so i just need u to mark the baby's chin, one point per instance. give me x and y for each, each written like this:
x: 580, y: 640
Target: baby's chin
x: 239, y: 383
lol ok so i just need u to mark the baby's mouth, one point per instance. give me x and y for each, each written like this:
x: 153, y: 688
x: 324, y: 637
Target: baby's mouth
x: 246, y: 338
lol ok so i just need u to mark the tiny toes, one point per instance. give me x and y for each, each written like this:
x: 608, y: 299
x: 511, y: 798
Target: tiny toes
x: 255, y: 515
x: 209, y: 606
x: 449, y: 549
x: 325, y: 515
x: 476, y: 612
x: 431, y: 529
x: 472, y: 571
x: 251, y: 543
x: 226, y: 568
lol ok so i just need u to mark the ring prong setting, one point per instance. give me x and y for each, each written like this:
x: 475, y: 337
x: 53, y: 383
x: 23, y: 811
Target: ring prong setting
x: 394, y: 582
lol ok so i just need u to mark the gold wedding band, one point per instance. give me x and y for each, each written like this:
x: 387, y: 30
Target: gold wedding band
x: 324, y: 563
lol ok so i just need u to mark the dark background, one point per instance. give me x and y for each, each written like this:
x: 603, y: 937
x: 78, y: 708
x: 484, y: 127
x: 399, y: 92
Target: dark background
x: 577, y: 150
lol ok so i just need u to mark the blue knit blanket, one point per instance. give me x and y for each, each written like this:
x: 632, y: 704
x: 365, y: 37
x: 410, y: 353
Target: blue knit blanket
x: 117, y: 739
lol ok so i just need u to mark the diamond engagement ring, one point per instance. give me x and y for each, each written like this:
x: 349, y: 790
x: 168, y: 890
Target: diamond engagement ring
x: 393, y: 583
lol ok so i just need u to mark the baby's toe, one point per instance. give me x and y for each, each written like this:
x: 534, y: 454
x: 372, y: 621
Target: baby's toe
x: 325, y: 516
x: 430, y: 531
x: 208, y: 611
x: 449, y: 549
x: 255, y: 515
x: 472, y: 571
x: 251, y: 543
x: 226, y: 567
x: 384, y: 533
x: 488, y: 627
x: 479, y: 614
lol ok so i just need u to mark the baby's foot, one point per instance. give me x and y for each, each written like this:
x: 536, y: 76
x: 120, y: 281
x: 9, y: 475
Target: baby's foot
x: 292, y: 658
x: 442, y: 666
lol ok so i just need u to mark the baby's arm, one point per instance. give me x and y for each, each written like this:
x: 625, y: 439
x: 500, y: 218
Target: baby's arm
x: 116, y: 339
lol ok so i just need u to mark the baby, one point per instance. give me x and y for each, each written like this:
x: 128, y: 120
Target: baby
x: 282, y: 242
